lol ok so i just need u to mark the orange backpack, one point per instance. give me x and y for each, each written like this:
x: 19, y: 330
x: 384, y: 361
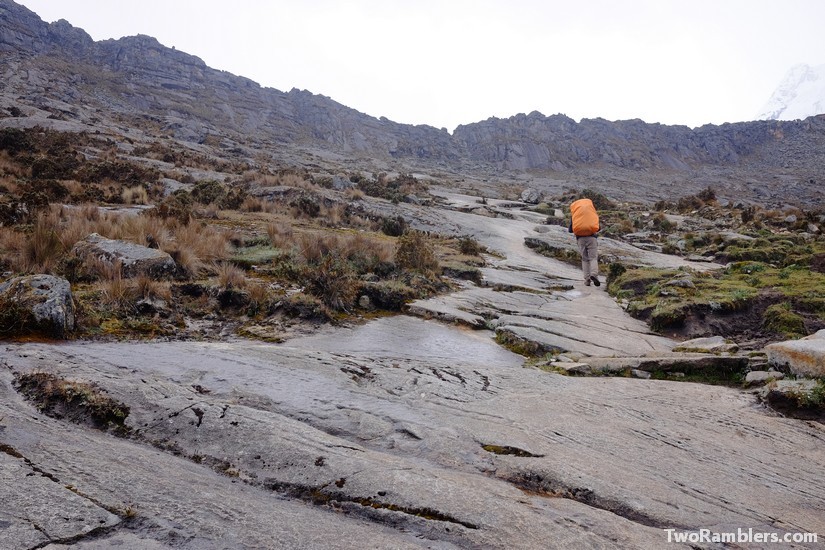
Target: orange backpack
x: 585, y: 218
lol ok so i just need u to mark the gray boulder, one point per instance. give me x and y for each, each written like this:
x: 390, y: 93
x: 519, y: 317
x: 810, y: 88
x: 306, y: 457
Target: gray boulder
x: 805, y: 357
x: 134, y: 259
x: 682, y: 282
x: 531, y: 196
x: 37, y: 303
x: 341, y: 184
x: 755, y: 377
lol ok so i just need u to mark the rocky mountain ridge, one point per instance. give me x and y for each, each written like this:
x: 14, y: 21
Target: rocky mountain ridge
x: 138, y: 83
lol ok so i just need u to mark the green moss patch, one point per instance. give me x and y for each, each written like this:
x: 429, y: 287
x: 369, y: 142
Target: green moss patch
x: 786, y: 301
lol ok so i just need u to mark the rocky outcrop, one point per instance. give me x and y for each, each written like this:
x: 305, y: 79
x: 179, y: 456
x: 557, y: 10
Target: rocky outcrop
x: 37, y: 304
x: 132, y: 258
x: 804, y: 357
x: 557, y: 142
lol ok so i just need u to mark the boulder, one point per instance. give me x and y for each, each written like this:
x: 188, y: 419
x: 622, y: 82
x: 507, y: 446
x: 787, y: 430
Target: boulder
x: 755, y: 377
x: 134, y: 259
x: 531, y: 196
x: 341, y: 184
x: 804, y: 357
x: 37, y: 303
x: 682, y: 282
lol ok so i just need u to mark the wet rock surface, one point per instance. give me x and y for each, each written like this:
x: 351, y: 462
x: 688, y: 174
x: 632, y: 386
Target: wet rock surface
x: 418, y: 448
x: 407, y: 432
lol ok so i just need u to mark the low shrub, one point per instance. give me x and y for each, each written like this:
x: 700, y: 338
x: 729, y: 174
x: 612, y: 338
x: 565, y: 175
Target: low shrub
x: 415, y: 252
x: 394, y: 227
x: 333, y: 281
x: 469, y: 246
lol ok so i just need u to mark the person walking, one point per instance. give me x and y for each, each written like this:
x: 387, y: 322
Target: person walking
x: 584, y: 224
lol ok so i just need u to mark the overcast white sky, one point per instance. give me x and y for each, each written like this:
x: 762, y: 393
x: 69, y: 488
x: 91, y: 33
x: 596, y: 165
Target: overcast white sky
x: 451, y: 62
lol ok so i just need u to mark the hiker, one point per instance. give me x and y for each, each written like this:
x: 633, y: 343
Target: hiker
x: 584, y: 224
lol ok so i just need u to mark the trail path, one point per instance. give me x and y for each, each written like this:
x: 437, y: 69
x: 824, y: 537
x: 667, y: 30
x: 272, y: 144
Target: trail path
x: 403, y: 433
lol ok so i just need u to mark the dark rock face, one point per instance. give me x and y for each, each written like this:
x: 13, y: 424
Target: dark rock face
x: 40, y: 304
x: 525, y: 142
x: 139, y: 79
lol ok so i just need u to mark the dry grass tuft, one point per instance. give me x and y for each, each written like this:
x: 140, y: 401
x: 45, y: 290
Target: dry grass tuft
x: 148, y: 231
x: 188, y: 263
x: 134, y: 195
x: 253, y: 204
x: 334, y: 282
x: 334, y: 215
x: 294, y: 180
x: 116, y: 290
x: 9, y: 167
x: 206, y: 243
x: 280, y: 235
x: 12, y: 243
x: 229, y: 275
x: 149, y: 289
x: 43, y: 250
x: 258, y: 294
x: 313, y: 248
x: 260, y: 179
x: 355, y: 194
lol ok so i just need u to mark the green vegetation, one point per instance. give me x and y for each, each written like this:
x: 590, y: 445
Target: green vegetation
x: 787, y: 300
x: 305, y: 252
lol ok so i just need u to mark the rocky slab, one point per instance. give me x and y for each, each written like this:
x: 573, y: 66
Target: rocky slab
x: 419, y: 446
x: 530, y: 297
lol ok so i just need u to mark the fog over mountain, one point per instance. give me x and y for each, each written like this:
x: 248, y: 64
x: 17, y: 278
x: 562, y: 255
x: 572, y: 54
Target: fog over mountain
x: 800, y: 94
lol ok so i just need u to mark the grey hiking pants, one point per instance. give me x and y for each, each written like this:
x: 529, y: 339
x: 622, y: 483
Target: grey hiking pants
x: 589, y: 248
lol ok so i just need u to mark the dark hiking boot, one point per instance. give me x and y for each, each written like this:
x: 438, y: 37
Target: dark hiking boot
x: 595, y: 280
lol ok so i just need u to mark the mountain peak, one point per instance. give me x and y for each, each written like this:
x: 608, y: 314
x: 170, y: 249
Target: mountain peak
x: 800, y: 94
